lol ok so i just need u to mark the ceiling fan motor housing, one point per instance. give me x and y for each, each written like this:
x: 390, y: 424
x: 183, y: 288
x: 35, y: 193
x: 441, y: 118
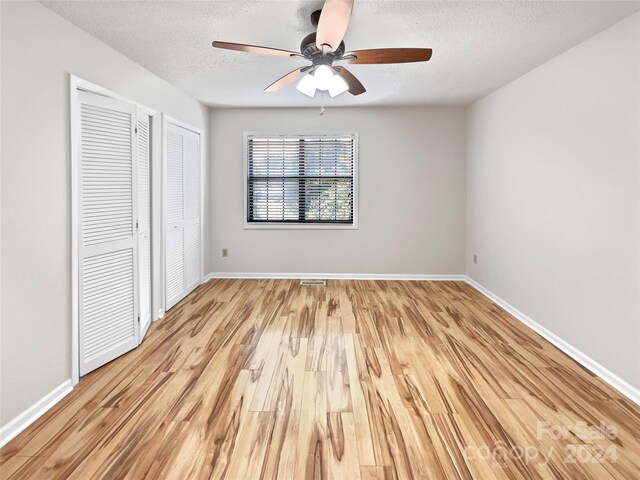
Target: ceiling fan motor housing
x: 315, y: 18
x: 309, y: 49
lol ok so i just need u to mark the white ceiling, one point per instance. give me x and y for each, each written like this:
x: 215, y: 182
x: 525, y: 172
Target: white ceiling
x: 478, y: 45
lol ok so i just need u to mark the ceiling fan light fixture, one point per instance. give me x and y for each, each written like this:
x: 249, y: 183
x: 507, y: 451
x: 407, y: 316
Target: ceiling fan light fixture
x: 338, y: 86
x: 307, y: 85
x: 323, y: 76
x: 325, y: 46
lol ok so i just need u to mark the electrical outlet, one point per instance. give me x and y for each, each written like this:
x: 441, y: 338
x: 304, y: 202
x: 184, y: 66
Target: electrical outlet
x: 475, y: 259
x: 225, y: 252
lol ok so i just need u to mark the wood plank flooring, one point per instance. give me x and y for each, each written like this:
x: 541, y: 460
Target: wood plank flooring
x: 267, y: 379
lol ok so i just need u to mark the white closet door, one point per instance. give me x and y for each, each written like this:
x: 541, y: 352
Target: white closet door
x: 108, y: 303
x: 192, y: 210
x: 144, y: 219
x: 174, y: 208
x: 182, y: 212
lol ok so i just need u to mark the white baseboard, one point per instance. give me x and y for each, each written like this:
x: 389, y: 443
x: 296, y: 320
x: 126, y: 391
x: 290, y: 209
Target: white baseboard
x: 590, y: 364
x: 35, y: 411
x: 160, y: 315
x: 337, y: 276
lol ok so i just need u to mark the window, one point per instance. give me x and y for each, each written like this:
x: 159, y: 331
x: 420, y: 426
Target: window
x: 306, y: 179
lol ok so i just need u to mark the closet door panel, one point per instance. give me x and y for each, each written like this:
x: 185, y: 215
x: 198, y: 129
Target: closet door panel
x: 144, y: 253
x: 175, y: 286
x: 107, y: 265
x: 182, y: 217
x: 191, y: 176
x: 174, y: 175
x: 192, y: 255
x: 192, y: 209
x: 144, y: 218
x: 108, y: 306
x: 144, y: 171
x: 174, y: 216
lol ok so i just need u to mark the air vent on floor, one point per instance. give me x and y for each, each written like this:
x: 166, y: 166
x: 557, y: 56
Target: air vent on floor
x: 313, y: 282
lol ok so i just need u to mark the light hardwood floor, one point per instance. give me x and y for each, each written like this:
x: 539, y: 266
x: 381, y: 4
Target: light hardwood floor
x: 363, y: 380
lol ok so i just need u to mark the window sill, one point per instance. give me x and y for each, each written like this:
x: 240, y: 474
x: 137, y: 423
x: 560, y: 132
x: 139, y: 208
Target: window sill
x: 298, y: 226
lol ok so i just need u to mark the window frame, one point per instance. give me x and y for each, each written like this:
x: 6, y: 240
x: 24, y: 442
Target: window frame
x: 292, y: 225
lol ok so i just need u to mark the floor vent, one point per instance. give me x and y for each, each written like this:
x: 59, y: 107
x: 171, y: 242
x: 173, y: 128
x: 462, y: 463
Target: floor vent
x: 313, y: 282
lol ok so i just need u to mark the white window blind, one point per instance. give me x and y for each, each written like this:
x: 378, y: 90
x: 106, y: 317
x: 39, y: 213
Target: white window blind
x: 301, y: 179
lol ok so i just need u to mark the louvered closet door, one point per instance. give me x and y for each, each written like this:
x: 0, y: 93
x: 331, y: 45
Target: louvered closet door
x: 107, y: 265
x: 182, y: 212
x: 174, y: 214
x: 144, y: 219
x: 191, y: 210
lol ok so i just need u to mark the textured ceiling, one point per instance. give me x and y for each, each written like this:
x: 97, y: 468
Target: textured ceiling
x: 478, y: 45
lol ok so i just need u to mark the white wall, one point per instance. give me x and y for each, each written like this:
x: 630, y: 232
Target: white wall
x: 553, y: 198
x: 411, y: 194
x: 39, y: 50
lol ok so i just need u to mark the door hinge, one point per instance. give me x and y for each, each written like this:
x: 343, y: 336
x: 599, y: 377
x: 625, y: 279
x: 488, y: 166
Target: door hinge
x: 136, y: 129
x: 136, y: 224
x: 138, y: 318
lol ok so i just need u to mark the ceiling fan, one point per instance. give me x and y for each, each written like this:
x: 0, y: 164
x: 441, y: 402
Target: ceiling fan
x: 324, y: 47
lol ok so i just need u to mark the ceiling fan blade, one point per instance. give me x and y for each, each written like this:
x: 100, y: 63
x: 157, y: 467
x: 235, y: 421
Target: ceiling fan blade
x: 333, y: 23
x: 241, y: 47
x: 288, y: 79
x: 355, y: 87
x: 391, y: 55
